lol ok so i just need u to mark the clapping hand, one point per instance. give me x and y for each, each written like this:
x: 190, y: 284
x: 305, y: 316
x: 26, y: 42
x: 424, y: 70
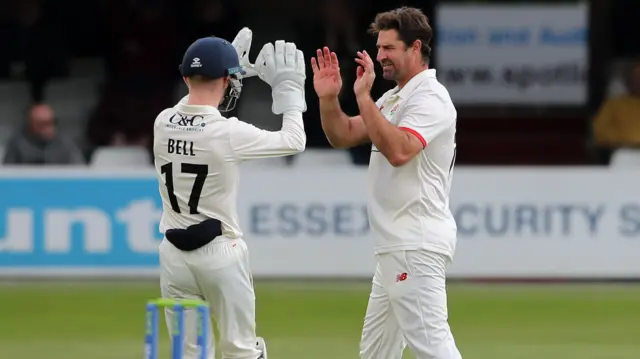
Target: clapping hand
x: 365, y: 74
x: 326, y: 73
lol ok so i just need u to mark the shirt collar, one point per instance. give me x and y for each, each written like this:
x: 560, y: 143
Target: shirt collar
x: 183, y: 107
x: 414, y: 83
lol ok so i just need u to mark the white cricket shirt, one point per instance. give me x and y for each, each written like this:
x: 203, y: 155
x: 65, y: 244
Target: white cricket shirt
x: 409, y: 205
x: 197, y: 153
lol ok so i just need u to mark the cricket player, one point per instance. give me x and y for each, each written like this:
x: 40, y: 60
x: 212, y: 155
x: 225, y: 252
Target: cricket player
x: 197, y: 152
x: 412, y: 128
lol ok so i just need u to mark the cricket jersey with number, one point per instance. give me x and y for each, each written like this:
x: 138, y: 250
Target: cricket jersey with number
x: 197, y: 153
x: 409, y: 205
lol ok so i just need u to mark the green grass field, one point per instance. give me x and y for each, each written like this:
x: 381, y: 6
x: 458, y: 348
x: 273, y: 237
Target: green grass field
x: 323, y: 320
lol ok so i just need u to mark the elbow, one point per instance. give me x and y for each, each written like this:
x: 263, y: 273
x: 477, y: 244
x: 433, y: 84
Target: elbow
x: 398, y: 160
x: 339, y: 142
x: 333, y: 140
x: 298, y: 145
x: 335, y: 143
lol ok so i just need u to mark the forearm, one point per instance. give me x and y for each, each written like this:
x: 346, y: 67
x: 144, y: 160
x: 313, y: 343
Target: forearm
x: 293, y: 137
x: 249, y: 142
x: 335, y: 123
x: 385, y: 136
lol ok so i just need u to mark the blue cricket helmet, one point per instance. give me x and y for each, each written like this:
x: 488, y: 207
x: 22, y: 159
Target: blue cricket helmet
x: 211, y: 57
x: 214, y: 58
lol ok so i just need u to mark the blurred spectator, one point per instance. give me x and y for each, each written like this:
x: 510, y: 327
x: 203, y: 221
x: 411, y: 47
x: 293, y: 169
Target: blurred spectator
x: 617, y: 123
x: 39, y: 143
x: 34, y: 41
x: 121, y: 119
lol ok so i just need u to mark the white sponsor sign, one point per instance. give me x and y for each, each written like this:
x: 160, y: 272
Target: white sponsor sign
x: 514, y: 54
x: 512, y: 223
x: 553, y: 223
x: 529, y: 222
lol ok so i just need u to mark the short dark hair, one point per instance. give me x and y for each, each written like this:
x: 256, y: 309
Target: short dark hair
x: 411, y: 23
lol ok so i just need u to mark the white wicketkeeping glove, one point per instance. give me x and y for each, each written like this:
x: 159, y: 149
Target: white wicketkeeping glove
x: 283, y: 69
x: 242, y: 44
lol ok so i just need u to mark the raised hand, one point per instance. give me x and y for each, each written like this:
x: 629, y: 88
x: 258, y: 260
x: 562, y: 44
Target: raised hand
x: 282, y: 67
x: 365, y: 74
x: 242, y: 44
x: 326, y: 73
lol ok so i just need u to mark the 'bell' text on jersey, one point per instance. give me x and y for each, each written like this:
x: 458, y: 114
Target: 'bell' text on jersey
x: 197, y: 153
x: 409, y: 205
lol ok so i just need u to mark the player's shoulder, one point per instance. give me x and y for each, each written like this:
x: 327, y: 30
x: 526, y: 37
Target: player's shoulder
x: 166, y: 112
x: 233, y: 120
x: 176, y: 118
x: 431, y: 94
x: 430, y: 103
x: 163, y: 115
x: 428, y: 97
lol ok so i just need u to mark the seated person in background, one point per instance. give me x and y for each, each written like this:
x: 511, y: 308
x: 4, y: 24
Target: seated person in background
x: 38, y: 142
x: 617, y: 123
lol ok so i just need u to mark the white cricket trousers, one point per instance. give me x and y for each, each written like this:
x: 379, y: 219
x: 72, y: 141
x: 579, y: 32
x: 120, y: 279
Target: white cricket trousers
x: 219, y: 273
x: 408, y: 306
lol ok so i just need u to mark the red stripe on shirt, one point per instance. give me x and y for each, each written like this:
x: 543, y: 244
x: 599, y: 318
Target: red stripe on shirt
x: 415, y: 133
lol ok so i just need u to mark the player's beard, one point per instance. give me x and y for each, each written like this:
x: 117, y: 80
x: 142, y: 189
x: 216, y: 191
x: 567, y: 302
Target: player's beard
x: 389, y: 72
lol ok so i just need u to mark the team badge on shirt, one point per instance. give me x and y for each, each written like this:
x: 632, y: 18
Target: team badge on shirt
x: 393, y: 110
x: 389, y: 113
